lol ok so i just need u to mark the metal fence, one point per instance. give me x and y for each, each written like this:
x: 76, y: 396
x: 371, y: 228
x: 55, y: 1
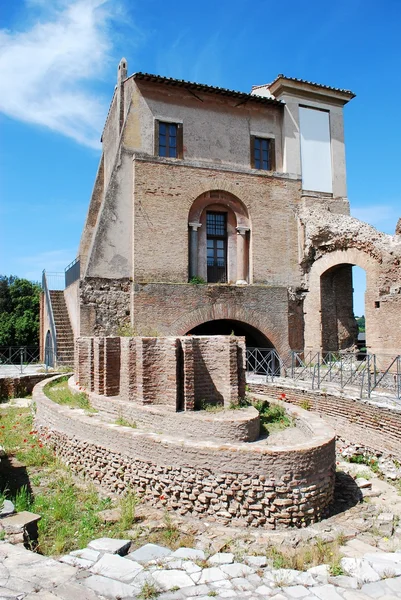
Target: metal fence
x: 19, y: 357
x: 342, y: 370
x: 72, y: 272
x: 54, y: 281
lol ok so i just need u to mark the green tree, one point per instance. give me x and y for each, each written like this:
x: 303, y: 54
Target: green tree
x: 19, y: 312
x: 361, y: 323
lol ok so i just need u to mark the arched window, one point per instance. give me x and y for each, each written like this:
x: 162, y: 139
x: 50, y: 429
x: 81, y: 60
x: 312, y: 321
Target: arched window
x: 219, y: 239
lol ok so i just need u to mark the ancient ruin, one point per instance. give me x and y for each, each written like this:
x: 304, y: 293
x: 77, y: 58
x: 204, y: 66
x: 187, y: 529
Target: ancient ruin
x: 216, y: 211
x: 219, y: 223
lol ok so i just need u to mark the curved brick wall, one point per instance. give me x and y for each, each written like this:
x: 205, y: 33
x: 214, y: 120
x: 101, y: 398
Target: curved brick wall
x: 224, y: 426
x: 245, y: 484
x: 376, y: 427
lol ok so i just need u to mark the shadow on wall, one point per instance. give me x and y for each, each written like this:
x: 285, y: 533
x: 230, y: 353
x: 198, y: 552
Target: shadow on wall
x: 205, y: 388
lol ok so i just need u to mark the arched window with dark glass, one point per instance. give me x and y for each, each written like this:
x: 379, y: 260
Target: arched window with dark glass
x: 216, y: 235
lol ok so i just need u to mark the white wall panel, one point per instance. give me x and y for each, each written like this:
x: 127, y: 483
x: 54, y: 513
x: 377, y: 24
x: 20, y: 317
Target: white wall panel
x: 315, y: 150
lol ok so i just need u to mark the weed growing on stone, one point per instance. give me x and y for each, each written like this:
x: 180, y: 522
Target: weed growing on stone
x: 125, y: 423
x: 361, y: 459
x: 308, y: 555
x: 128, y: 504
x: 148, y: 591
x: 59, y: 392
x: 305, y: 404
x: 272, y: 416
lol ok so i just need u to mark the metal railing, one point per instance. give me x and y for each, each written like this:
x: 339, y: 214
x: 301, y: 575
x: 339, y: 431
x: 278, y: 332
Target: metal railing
x: 54, y: 281
x: 72, y: 271
x: 50, y: 313
x: 19, y: 357
x: 342, y: 370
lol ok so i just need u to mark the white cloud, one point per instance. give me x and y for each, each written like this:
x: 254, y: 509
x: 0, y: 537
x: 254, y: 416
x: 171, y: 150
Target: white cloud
x: 46, y: 71
x: 382, y: 216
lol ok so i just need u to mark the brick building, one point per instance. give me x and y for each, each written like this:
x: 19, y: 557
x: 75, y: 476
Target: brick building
x: 214, y: 210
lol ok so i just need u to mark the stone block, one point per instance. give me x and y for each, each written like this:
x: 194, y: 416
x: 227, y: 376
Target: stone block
x: 170, y: 579
x: 116, y: 567
x: 149, y: 552
x: 110, y: 545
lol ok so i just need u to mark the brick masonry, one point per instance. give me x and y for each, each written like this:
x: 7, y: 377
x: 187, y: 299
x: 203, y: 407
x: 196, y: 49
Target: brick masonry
x: 377, y: 428
x: 177, y: 372
x: 237, y: 483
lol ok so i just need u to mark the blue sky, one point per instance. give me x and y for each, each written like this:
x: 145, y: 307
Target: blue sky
x: 58, y: 62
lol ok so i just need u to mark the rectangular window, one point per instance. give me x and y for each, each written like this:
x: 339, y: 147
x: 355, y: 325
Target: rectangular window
x: 216, y: 237
x: 262, y: 153
x: 168, y: 138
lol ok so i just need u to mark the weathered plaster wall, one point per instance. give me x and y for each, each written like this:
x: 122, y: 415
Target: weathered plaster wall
x: 216, y: 130
x: 71, y: 296
x: 110, y: 250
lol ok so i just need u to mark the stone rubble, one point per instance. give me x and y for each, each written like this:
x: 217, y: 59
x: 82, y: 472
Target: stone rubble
x: 106, y: 570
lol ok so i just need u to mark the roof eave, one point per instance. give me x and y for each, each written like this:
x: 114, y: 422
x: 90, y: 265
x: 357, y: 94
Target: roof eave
x: 200, y: 87
x: 283, y: 85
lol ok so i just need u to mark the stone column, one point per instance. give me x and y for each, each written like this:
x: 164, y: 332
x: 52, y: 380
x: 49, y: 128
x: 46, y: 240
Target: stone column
x: 193, y: 250
x: 241, y: 255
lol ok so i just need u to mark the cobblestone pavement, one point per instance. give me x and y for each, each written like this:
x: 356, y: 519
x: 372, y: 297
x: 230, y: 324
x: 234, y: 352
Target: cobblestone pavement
x: 106, y: 569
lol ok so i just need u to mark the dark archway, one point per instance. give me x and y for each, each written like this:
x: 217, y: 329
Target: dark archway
x: 253, y: 337
x: 339, y: 327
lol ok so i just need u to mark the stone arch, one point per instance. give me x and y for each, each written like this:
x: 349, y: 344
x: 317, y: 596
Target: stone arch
x: 237, y: 313
x: 236, y: 241
x: 337, y: 263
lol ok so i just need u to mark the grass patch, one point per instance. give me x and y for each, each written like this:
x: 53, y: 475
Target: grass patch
x: 212, y: 407
x: 69, y: 508
x: 170, y: 535
x: 59, y: 392
x: 307, y: 556
x: 125, y: 423
x: 272, y: 416
x: 148, y: 591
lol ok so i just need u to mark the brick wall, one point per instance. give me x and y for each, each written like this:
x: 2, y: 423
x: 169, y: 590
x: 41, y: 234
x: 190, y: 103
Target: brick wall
x: 233, y: 483
x: 177, y: 372
x: 375, y: 427
x: 175, y: 309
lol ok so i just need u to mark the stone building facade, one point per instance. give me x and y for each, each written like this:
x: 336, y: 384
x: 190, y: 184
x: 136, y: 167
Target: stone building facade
x: 216, y: 211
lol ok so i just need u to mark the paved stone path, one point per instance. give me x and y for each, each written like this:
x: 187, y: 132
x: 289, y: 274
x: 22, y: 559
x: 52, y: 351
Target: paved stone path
x: 106, y: 569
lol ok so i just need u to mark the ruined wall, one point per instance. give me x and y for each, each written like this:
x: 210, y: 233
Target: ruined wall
x: 236, y: 484
x: 334, y: 240
x: 181, y: 373
x: 339, y: 328
x: 376, y: 427
x: 105, y: 305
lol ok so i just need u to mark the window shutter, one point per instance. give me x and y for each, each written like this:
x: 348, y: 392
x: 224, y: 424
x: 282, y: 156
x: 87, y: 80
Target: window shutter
x: 272, y: 155
x: 252, y: 151
x: 156, y: 140
x: 180, y: 141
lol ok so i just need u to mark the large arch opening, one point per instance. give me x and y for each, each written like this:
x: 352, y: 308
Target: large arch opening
x: 339, y: 327
x: 253, y: 337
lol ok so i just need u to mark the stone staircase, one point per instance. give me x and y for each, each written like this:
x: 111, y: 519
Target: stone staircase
x: 65, y: 336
